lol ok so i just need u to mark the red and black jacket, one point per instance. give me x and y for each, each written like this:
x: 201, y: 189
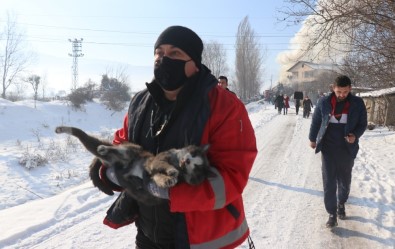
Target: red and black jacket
x: 210, y: 215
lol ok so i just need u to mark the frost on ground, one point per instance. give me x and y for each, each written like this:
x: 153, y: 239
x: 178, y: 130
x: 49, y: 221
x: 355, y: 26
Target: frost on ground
x: 56, y: 206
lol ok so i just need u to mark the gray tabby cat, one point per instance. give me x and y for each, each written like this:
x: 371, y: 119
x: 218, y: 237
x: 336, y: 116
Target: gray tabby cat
x: 132, y: 165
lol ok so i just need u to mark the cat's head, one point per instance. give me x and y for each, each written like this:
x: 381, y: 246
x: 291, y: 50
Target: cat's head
x: 194, y: 164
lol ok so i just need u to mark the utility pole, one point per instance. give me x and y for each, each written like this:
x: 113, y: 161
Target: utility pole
x: 76, y: 52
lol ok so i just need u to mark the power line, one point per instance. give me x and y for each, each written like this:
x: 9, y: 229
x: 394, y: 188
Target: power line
x: 149, y: 33
x: 127, y: 44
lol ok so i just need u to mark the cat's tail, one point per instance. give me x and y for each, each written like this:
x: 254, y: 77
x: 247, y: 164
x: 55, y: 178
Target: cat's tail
x: 70, y: 130
x: 91, y: 143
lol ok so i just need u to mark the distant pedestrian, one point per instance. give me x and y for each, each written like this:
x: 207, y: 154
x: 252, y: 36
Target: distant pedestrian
x: 307, y: 105
x: 279, y: 103
x: 286, y: 104
x: 223, y: 82
x: 297, y: 105
x: 339, y: 120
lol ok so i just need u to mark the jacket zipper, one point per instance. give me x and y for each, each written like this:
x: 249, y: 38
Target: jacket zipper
x: 155, y: 232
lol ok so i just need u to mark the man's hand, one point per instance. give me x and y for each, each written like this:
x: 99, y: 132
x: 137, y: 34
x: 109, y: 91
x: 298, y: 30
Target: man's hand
x: 350, y: 138
x: 313, y: 144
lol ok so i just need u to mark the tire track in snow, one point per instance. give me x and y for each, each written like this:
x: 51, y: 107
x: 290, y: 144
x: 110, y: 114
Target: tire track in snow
x: 65, y: 217
x: 285, y: 196
x: 279, y: 180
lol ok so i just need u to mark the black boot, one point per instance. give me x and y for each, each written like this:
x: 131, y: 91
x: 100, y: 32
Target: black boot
x: 332, y: 221
x: 341, y: 211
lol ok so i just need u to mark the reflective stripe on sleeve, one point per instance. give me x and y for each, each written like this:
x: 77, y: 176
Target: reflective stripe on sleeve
x: 225, y: 240
x: 218, y: 186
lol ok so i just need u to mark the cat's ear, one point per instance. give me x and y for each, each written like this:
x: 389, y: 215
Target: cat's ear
x: 205, y: 147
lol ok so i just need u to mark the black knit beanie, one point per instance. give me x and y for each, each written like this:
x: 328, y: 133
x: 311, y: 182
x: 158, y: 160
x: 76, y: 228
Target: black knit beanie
x: 183, y: 38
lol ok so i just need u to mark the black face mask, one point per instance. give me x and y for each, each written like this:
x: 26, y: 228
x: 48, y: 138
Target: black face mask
x: 170, y: 73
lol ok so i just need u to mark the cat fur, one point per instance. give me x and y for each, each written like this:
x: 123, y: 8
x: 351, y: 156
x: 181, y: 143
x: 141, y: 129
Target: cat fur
x: 133, y: 165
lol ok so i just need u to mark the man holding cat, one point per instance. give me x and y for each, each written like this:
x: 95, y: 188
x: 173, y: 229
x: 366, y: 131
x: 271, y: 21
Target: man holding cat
x: 183, y: 105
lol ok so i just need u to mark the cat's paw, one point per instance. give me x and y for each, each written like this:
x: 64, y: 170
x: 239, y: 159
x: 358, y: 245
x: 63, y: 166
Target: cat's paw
x: 166, y: 181
x: 172, y: 172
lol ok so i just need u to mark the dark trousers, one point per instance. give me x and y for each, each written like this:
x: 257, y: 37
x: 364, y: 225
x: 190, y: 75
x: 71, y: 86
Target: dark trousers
x: 143, y: 242
x: 336, y: 177
x: 306, y: 113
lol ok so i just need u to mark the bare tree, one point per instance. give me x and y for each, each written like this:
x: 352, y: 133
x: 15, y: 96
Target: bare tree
x: 43, y: 83
x: 214, y: 57
x: 13, y: 61
x: 79, y: 96
x: 115, y: 89
x: 18, y: 93
x: 355, y: 29
x: 34, y: 81
x: 120, y: 73
x: 115, y: 94
x: 249, y: 60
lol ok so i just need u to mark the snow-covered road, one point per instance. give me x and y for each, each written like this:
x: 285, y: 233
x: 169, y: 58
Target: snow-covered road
x: 284, y: 197
x: 283, y: 200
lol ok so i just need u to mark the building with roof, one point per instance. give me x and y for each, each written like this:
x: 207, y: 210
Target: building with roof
x: 312, y: 78
x: 380, y: 105
x: 304, y: 71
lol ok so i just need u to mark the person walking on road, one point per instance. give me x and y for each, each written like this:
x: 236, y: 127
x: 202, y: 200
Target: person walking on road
x: 307, y: 105
x: 279, y: 103
x: 286, y: 104
x: 183, y: 105
x: 338, y: 121
x: 223, y: 82
x: 297, y: 105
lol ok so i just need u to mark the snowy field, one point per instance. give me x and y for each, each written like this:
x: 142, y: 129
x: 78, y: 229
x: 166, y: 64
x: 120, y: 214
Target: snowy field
x: 56, y: 206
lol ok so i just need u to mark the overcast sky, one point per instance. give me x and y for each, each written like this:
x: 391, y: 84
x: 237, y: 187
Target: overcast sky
x: 122, y: 33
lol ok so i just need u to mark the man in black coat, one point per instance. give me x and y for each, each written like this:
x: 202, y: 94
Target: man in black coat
x: 307, y: 105
x: 339, y: 120
x: 279, y: 103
